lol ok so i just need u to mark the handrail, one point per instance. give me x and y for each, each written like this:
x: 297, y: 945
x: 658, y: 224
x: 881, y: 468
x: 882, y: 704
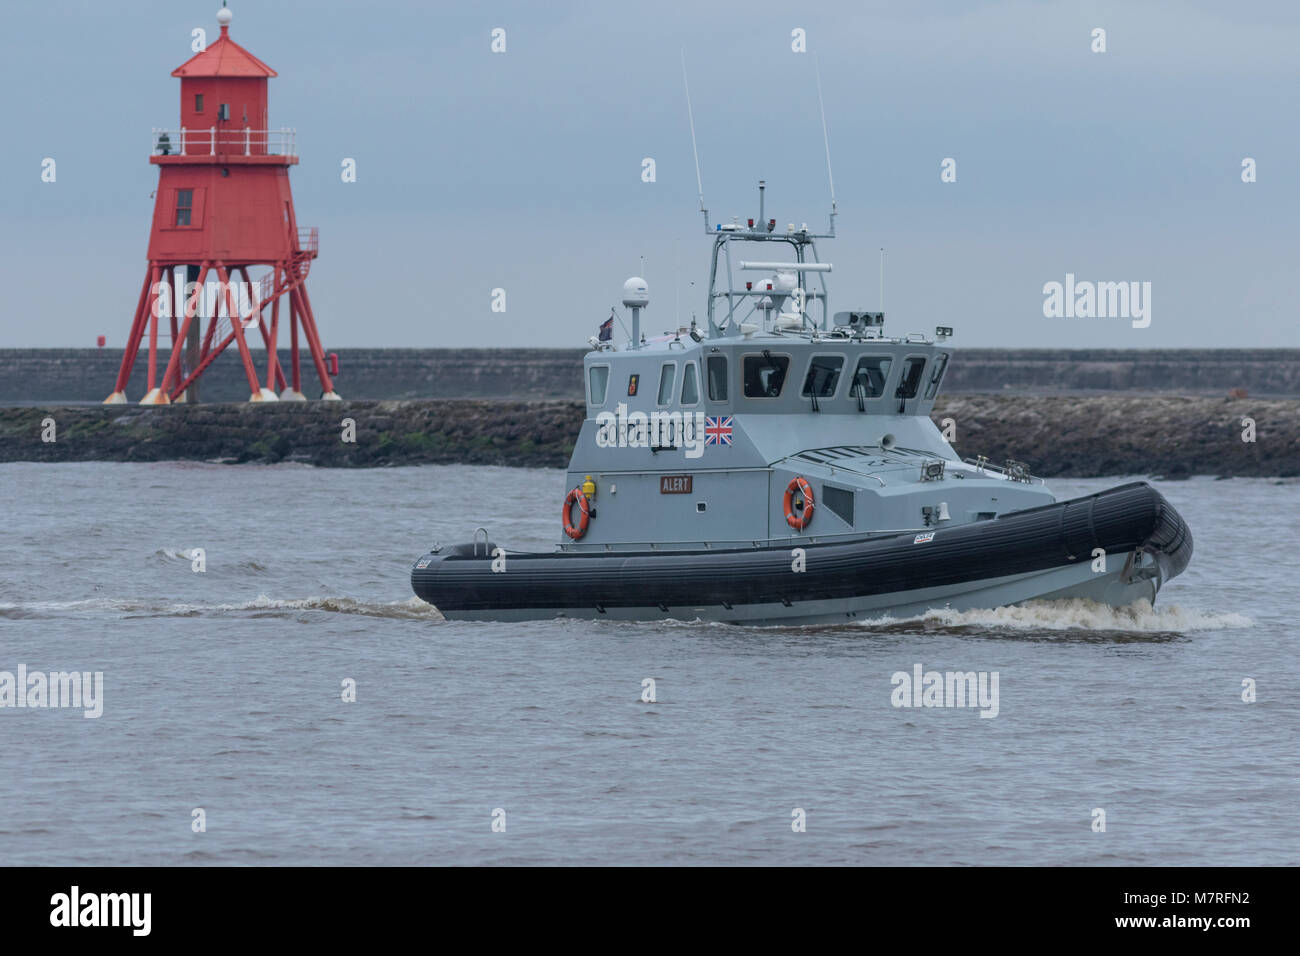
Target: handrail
x: 243, y: 141
x: 1012, y: 471
x: 736, y: 544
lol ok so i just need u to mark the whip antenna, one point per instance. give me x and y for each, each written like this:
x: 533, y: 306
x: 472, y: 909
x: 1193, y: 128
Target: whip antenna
x: 690, y: 115
x: 825, y: 139
x: 882, y: 278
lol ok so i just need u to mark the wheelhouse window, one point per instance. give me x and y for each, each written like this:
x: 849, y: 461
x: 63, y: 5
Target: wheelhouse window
x: 936, y: 376
x: 598, y: 383
x: 870, y: 376
x: 823, y: 376
x: 184, y: 206
x: 667, y: 378
x: 911, y: 380
x: 198, y: 102
x: 765, y: 375
x: 690, y: 385
x: 717, y: 370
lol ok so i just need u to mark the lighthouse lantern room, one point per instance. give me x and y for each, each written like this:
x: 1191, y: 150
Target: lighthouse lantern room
x: 223, y: 208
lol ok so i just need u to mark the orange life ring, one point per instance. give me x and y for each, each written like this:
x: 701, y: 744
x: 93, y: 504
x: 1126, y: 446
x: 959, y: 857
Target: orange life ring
x: 584, y: 514
x: 798, y: 520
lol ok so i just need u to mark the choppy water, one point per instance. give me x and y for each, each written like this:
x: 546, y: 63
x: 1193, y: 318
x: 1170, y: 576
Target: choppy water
x: 222, y: 690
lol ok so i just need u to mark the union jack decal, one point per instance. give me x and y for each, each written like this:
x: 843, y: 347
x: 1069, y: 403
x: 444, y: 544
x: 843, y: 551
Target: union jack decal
x: 717, y: 431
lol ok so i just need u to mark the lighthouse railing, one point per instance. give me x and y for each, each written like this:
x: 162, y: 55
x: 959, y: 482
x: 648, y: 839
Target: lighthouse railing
x: 241, y: 141
x: 309, y: 239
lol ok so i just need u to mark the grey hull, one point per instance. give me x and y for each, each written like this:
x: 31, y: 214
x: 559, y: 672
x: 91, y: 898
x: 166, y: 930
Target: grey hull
x: 1114, y: 547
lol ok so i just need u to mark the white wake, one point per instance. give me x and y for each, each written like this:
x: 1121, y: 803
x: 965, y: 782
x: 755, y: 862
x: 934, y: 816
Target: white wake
x: 1077, y: 614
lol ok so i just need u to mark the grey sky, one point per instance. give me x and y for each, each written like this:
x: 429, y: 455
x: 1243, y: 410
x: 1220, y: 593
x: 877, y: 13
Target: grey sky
x: 522, y: 170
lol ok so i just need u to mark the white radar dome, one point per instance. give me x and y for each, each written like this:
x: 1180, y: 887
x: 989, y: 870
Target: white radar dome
x: 784, y: 282
x: 636, y: 293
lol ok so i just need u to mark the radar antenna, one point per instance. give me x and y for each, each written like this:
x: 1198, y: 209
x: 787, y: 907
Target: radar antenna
x: 690, y: 115
x: 825, y: 139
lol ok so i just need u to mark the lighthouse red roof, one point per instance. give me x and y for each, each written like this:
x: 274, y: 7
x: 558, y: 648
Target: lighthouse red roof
x: 225, y: 57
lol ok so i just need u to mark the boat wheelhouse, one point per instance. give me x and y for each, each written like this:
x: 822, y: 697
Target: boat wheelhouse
x: 775, y: 388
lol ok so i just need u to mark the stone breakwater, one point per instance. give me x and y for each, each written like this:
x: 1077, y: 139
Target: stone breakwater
x: 73, y: 376
x: 1056, y: 435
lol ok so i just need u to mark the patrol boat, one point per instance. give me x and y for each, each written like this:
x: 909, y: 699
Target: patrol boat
x: 780, y: 467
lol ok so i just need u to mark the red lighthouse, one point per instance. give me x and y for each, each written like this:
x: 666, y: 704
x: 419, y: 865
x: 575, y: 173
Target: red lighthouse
x: 223, y: 207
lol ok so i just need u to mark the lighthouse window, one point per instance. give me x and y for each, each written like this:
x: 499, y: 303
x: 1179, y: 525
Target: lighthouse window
x: 870, y: 376
x: 823, y: 376
x: 717, y: 378
x: 184, y: 204
x: 667, y: 378
x: 198, y: 102
x: 598, y: 381
x: 936, y: 376
x: 912, y: 369
x: 765, y: 375
x: 690, y: 385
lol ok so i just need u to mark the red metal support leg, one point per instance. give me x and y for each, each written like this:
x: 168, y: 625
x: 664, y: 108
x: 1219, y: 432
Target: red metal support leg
x: 178, y: 342
x: 154, y: 292
x: 132, y: 343
x: 293, y: 344
x: 273, y: 374
x: 313, y: 341
x: 275, y: 331
x: 237, y: 326
x: 206, y: 361
x: 208, y: 337
x: 170, y: 286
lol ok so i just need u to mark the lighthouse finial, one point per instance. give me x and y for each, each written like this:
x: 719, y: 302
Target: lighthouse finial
x: 224, y: 16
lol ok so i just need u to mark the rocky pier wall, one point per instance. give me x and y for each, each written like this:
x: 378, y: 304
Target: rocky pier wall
x: 1083, y: 436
